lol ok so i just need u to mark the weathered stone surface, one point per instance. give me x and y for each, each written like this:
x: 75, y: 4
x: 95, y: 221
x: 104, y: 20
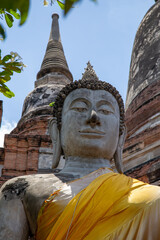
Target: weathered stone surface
x: 147, y: 172
x: 21, y: 153
x: 144, y: 109
x: 45, y: 158
x: 14, y: 220
x: 53, y: 78
x: 145, y: 62
x: 1, y: 161
x: 1, y: 155
x: 24, y: 157
x: 3, y: 180
x: 41, y: 97
x: 37, y: 125
x: 18, y: 189
x: 21, y: 189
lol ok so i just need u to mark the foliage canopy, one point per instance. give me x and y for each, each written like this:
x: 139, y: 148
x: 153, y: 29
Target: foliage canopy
x: 10, y: 10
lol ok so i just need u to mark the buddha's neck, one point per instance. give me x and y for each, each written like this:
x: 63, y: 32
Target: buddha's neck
x: 83, y: 166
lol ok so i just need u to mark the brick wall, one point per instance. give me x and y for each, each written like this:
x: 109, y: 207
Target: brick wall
x: 22, y: 146
x: 141, y: 154
x: 22, y: 154
x: 143, y: 107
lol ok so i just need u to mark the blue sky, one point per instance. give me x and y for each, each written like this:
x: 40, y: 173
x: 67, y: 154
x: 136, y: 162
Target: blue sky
x: 102, y: 33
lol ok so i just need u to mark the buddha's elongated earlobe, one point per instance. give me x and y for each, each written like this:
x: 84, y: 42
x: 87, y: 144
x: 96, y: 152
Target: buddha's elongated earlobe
x: 119, y: 151
x: 55, y: 136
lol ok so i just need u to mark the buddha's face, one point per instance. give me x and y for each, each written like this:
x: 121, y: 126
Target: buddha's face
x: 90, y: 124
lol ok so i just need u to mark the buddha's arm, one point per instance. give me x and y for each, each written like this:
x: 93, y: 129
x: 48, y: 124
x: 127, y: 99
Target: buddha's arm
x: 13, y: 221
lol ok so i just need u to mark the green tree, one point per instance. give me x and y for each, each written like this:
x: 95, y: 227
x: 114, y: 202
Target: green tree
x: 12, y: 62
x: 9, y: 64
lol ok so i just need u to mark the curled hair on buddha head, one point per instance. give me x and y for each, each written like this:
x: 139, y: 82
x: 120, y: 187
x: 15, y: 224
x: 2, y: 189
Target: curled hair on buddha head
x: 90, y: 81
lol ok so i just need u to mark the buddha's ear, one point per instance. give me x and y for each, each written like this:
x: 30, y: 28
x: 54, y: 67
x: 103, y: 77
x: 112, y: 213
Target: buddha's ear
x: 55, y: 136
x: 119, y: 151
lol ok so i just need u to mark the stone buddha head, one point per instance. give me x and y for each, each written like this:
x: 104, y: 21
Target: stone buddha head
x: 88, y: 121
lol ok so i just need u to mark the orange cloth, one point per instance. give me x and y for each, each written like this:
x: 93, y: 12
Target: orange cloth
x: 112, y: 207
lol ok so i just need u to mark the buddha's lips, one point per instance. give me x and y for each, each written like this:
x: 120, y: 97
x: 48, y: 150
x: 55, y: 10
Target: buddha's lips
x: 92, y: 132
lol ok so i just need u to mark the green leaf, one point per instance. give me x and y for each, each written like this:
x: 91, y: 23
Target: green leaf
x: 9, y: 20
x: 51, y: 104
x: 6, y: 58
x: 62, y: 6
x: 7, y: 67
x: 69, y: 5
x: 2, y: 32
x: 15, y: 69
x: 9, y: 94
x: 6, y: 78
x: 15, y: 14
x: 6, y: 72
x: 16, y: 63
x: 12, y: 64
x: 6, y: 91
x: 21, y: 5
x: 2, y: 80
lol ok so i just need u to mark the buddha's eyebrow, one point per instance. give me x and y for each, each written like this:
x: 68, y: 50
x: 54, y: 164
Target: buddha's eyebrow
x: 84, y: 100
x: 105, y: 102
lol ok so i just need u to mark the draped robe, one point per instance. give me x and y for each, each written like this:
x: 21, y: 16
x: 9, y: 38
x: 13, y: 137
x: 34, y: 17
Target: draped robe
x: 108, y: 206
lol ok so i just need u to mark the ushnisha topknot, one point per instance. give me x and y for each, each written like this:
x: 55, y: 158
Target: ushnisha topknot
x: 90, y: 81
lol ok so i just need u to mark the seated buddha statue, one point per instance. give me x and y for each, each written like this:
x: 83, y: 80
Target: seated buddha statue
x: 87, y: 199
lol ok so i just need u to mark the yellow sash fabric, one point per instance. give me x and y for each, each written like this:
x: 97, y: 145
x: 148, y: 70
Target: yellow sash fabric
x: 112, y: 207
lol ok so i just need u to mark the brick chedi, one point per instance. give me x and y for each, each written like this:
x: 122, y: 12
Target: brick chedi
x: 28, y: 148
x: 142, y: 147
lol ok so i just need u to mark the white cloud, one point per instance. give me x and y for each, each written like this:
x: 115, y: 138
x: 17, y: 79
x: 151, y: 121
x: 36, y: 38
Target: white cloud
x: 6, y: 127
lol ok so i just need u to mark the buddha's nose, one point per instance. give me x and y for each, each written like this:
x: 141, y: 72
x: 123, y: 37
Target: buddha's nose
x: 93, y: 119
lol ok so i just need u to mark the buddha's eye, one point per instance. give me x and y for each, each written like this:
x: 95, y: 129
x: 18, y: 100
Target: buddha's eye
x: 79, y: 109
x: 79, y: 106
x: 105, y: 107
x: 105, y: 111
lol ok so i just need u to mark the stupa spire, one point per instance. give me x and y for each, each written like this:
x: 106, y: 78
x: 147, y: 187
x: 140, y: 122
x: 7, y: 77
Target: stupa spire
x: 54, y: 59
x: 55, y: 34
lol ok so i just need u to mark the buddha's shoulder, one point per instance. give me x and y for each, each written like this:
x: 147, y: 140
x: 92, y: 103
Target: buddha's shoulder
x: 37, y: 185
x: 145, y: 193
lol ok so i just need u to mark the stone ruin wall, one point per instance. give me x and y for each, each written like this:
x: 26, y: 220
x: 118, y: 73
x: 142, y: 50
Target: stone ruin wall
x: 21, y: 153
x: 141, y: 155
x: 26, y: 149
